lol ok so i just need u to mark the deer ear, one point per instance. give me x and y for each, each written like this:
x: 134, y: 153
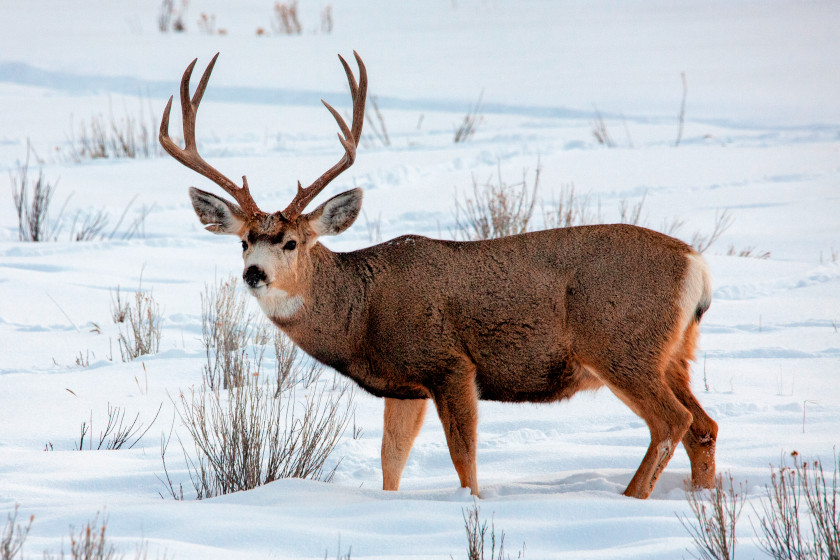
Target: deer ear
x: 337, y: 214
x: 217, y: 214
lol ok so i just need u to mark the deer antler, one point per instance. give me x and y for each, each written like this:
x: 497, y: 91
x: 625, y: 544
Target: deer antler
x: 188, y: 156
x: 350, y: 140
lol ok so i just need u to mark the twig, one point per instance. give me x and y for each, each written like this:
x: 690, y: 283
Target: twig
x: 682, y: 111
x: 65, y: 314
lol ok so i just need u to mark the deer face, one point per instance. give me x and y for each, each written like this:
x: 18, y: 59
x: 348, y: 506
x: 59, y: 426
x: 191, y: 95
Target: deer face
x: 275, y: 250
x: 276, y: 247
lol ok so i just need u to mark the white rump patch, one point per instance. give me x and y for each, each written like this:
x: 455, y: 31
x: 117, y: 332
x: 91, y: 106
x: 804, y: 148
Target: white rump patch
x: 696, y: 289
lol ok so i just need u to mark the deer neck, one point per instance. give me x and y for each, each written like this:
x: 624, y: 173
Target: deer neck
x: 328, y: 313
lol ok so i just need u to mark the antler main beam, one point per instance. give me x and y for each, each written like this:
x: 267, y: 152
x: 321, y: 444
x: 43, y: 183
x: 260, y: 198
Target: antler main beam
x: 350, y: 140
x: 188, y: 155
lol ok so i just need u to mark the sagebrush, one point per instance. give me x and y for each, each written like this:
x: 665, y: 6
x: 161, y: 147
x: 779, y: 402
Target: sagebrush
x: 255, y: 433
x: 139, y: 327
x: 32, y: 199
x: 13, y: 536
x: 715, y: 515
x: 477, y: 533
x: 234, y: 338
x: 798, y: 518
x: 496, y: 208
x: 797, y: 492
x: 89, y: 543
x: 118, y: 432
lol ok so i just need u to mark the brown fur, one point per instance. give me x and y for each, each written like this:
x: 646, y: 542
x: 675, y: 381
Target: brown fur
x: 529, y: 318
x: 403, y: 420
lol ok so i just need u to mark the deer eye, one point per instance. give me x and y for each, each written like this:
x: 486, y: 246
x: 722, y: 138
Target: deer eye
x: 290, y: 245
x: 244, y: 245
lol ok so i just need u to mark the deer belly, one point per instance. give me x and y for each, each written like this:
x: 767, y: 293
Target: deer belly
x: 388, y: 386
x: 535, y: 382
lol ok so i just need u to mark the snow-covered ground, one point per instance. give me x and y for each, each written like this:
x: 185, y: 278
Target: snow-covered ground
x: 761, y: 140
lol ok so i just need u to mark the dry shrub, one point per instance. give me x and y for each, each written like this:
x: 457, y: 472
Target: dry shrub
x: 140, y: 327
x: 119, y: 308
x: 32, y: 204
x: 326, y: 21
x: 472, y: 119
x: 83, y: 359
x: 496, y: 209
x: 599, y: 130
x: 798, y: 520
x: 171, y: 18
x: 628, y: 214
x: 293, y: 368
x: 571, y: 209
x: 90, y: 543
x: 376, y: 131
x: 682, y: 111
x: 103, y: 137
x: 91, y: 224
x: 245, y: 432
x: 477, y: 537
x: 254, y: 434
x: 117, y: 432
x: 88, y: 226
x: 723, y: 221
x: 748, y: 252
x: 374, y: 228
x: 233, y: 337
x: 286, y: 20
x: 715, y: 513
x: 207, y: 25
x: 13, y: 536
x: 796, y: 492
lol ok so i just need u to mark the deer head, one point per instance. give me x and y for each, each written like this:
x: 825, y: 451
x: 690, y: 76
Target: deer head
x: 275, y: 246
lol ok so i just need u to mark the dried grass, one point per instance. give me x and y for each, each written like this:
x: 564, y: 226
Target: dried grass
x: 469, y: 125
x: 715, y: 514
x: 117, y: 433
x: 571, y: 209
x: 496, y: 209
x: 794, y: 493
x: 254, y: 434
x: 234, y: 338
x: 13, y: 536
x: 477, y: 537
x: 103, y: 137
x: 140, y: 328
x: 32, y: 201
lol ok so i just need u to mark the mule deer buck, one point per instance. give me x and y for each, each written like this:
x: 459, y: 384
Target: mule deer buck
x: 535, y: 317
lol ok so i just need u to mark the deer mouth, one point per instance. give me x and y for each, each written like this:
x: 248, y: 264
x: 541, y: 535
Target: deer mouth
x: 256, y: 279
x: 259, y: 288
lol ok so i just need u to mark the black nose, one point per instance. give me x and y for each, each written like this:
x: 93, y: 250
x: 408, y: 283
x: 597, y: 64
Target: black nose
x: 253, y: 276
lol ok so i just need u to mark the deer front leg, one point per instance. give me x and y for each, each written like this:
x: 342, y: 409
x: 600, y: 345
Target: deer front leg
x: 457, y: 406
x: 403, y: 420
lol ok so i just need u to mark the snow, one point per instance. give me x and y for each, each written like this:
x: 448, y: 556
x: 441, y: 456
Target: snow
x: 761, y: 140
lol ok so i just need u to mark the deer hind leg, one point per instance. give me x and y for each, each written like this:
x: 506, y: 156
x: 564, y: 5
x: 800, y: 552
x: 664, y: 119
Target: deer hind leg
x: 667, y: 419
x: 700, y: 439
x: 403, y: 420
x: 457, y: 406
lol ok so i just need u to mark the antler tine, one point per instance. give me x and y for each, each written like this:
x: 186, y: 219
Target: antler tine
x: 349, y: 140
x: 358, y: 91
x: 189, y: 156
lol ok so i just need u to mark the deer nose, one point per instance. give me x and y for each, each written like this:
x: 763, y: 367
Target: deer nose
x: 253, y: 276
